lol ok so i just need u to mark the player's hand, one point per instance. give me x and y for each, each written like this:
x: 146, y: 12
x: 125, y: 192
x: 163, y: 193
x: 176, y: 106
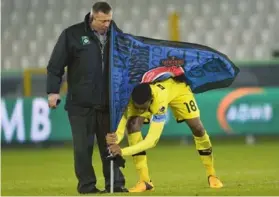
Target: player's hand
x: 53, y: 100
x: 115, y: 149
x: 111, y: 138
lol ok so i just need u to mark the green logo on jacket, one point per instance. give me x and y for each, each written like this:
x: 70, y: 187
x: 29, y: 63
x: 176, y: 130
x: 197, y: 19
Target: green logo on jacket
x: 85, y: 40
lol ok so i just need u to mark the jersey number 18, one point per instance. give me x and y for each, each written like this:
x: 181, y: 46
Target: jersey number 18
x: 191, y: 106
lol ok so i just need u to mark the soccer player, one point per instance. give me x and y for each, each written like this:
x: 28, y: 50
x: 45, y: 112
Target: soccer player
x: 152, y: 101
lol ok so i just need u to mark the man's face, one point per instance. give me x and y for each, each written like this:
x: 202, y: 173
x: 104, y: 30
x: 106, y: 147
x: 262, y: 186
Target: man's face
x: 101, y: 21
x: 142, y: 107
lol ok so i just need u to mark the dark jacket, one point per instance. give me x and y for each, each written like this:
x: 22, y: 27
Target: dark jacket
x: 79, y: 49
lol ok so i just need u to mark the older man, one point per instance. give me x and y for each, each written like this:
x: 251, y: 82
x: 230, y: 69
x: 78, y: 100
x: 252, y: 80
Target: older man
x: 84, y: 49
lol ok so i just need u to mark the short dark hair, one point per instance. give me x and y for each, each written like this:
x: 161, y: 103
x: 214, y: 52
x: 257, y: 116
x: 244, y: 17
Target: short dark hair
x: 141, y: 93
x: 101, y: 6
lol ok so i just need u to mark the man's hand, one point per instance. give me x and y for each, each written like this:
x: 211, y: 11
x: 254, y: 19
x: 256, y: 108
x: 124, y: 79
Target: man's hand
x: 53, y: 100
x: 111, y: 138
x: 115, y: 149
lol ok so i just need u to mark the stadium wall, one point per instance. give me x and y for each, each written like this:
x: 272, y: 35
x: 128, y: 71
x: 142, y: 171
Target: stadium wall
x: 33, y: 81
x: 227, y: 112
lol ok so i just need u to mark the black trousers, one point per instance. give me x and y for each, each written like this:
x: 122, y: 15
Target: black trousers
x: 85, y: 124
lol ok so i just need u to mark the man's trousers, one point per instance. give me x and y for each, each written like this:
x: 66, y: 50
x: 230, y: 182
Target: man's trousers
x: 85, y: 124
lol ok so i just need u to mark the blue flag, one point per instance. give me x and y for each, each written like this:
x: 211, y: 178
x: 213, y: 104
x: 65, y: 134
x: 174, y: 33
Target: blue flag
x: 135, y: 59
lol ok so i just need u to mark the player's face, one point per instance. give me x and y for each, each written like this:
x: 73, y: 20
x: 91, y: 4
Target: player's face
x: 142, y: 107
x: 101, y: 21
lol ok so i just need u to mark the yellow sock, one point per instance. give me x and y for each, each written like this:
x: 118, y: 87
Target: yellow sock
x: 140, y: 159
x: 204, y: 147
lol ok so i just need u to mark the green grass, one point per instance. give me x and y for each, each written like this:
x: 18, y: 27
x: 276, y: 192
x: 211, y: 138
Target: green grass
x: 175, y: 169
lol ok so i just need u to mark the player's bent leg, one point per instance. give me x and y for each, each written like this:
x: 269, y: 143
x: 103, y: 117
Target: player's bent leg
x: 140, y: 160
x: 204, y: 147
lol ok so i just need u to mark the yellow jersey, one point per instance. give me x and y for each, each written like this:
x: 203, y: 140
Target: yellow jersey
x: 167, y: 93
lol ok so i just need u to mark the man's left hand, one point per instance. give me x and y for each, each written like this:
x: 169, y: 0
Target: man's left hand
x: 115, y: 149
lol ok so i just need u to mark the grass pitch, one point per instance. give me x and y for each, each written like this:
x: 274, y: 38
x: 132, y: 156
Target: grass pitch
x: 175, y: 169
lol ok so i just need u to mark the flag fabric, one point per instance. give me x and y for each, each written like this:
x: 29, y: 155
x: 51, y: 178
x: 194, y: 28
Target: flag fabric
x: 136, y: 59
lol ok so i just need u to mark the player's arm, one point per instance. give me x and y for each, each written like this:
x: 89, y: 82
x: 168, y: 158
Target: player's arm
x: 150, y: 141
x: 117, y: 137
x: 121, y: 128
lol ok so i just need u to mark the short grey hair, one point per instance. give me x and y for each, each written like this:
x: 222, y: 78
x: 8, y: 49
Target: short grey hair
x: 101, y: 6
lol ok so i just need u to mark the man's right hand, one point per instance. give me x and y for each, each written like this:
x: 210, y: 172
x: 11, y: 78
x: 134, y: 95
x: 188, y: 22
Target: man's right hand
x: 111, y: 138
x: 53, y: 100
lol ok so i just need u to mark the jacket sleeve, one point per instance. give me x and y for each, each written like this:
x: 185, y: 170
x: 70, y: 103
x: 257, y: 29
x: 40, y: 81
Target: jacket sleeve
x: 150, y: 141
x: 121, y: 129
x: 57, y: 63
x: 153, y: 136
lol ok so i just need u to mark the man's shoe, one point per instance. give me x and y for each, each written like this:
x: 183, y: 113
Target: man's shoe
x: 91, y: 191
x: 214, y: 182
x: 115, y: 190
x: 142, y: 186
